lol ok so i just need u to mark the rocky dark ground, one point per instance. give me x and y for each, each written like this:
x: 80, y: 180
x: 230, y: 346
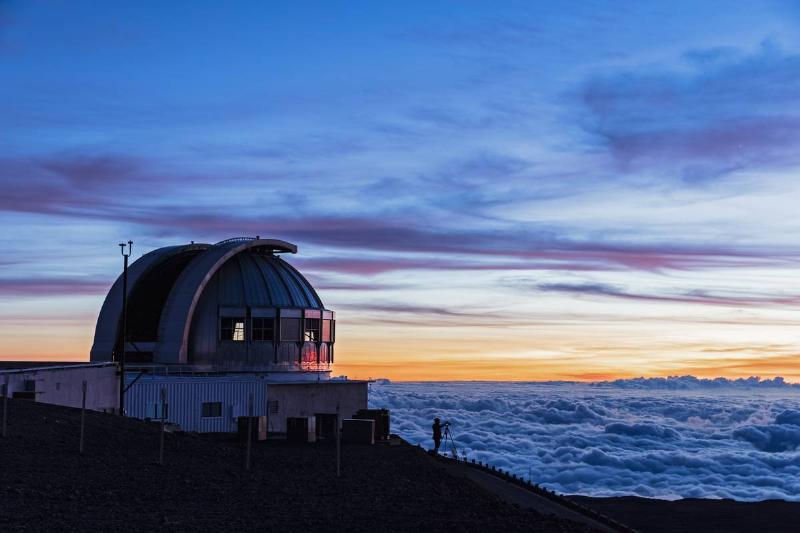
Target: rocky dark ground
x: 117, y: 485
x: 699, y: 515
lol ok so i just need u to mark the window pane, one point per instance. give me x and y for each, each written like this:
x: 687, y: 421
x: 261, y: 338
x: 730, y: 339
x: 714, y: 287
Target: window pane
x: 263, y: 329
x: 326, y: 331
x: 290, y: 329
x: 226, y: 329
x: 312, y: 329
x: 238, y: 331
x: 309, y: 354
x: 212, y: 409
x: 231, y: 329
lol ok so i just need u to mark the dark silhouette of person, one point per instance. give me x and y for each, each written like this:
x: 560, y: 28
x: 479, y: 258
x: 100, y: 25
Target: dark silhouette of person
x: 437, y: 435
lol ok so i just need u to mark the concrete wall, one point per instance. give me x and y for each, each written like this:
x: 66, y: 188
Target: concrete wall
x: 308, y: 399
x: 62, y: 385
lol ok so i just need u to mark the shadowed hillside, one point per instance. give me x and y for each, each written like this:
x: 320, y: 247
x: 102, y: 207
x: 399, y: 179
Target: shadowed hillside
x: 692, y: 514
x: 117, y: 484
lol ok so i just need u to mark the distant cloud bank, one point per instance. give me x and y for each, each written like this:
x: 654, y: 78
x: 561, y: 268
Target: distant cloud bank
x: 694, y: 383
x: 667, y: 438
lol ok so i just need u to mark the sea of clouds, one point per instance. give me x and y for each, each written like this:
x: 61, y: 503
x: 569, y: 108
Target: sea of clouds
x: 663, y: 438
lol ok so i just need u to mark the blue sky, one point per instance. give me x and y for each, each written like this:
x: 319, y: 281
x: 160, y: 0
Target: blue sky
x: 529, y: 189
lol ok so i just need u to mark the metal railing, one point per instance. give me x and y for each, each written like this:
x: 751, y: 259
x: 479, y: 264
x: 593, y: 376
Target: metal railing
x: 235, y: 239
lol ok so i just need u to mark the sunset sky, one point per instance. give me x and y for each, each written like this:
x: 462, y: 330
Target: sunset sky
x: 481, y: 190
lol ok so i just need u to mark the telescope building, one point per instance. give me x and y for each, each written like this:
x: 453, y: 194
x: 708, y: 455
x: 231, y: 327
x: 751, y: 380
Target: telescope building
x: 235, y: 305
x: 213, y: 332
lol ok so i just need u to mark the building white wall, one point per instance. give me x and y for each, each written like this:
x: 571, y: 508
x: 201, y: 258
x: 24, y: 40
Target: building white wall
x: 62, y: 385
x: 309, y: 399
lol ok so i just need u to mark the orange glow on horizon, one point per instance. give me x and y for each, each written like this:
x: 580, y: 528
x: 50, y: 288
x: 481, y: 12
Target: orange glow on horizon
x: 492, y: 368
x: 504, y: 370
x: 544, y: 353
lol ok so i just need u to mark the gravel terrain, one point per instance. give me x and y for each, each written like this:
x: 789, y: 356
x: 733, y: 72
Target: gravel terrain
x: 699, y: 515
x: 117, y: 485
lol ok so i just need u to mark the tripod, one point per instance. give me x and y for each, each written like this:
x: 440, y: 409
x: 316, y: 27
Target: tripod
x: 448, y: 441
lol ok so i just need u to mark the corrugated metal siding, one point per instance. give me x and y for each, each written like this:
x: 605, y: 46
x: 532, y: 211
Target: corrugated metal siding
x: 277, y: 287
x: 205, y: 325
x: 257, y: 293
x: 231, y: 287
x: 262, y: 352
x: 288, y: 353
x: 311, y: 295
x: 186, y: 395
x: 295, y: 287
x: 256, y: 280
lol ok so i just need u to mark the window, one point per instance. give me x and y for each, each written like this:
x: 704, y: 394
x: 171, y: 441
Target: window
x: 309, y: 354
x: 212, y: 409
x: 156, y: 411
x: 263, y: 329
x: 312, y: 329
x: 290, y: 329
x: 231, y: 329
x: 326, y: 330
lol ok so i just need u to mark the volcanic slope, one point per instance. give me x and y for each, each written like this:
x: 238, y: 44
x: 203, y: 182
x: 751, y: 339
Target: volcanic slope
x: 117, y: 485
x: 689, y: 515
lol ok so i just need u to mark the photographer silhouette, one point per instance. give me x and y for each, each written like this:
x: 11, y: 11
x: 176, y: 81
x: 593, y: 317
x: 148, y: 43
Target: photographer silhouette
x: 437, y: 434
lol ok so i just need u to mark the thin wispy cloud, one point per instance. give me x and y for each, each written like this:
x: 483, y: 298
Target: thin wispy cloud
x: 719, y: 112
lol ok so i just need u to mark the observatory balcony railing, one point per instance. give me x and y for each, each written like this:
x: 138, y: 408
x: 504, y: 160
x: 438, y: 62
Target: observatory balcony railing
x: 156, y: 369
x: 235, y: 240
x: 273, y: 245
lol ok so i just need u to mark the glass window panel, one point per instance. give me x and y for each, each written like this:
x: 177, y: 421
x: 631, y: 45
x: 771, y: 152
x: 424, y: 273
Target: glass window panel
x: 309, y: 354
x: 312, y: 330
x: 263, y: 329
x: 231, y: 329
x: 291, y: 329
x: 238, y: 331
x: 212, y: 409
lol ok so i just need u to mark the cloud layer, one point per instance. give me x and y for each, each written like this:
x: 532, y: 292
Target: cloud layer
x: 712, y: 440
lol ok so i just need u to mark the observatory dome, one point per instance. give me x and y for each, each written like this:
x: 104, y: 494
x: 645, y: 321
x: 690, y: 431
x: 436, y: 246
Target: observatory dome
x: 234, y: 305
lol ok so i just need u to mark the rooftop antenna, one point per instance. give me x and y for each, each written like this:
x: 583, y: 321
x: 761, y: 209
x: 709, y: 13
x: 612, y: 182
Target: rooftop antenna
x: 123, y: 336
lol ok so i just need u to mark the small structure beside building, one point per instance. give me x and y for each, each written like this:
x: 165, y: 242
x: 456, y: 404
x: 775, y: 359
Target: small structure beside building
x: 62, y: 384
